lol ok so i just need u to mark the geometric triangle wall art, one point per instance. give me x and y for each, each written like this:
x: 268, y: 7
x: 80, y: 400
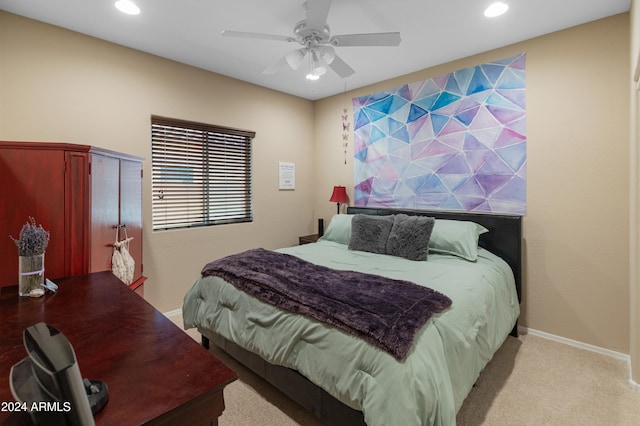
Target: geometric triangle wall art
x: 453, y: 142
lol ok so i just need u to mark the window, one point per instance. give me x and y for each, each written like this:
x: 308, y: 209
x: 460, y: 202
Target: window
x: 201, y: 174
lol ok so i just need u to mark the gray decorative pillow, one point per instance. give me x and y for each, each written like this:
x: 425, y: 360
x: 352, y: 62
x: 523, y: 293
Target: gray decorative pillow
x: 409, y: 237
x: 370, y: 233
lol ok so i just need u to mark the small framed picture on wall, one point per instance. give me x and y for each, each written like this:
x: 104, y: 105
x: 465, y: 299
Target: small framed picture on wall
x: 287, y: 175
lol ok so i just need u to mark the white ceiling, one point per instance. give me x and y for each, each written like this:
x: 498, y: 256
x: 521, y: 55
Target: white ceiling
x: 432, y: 31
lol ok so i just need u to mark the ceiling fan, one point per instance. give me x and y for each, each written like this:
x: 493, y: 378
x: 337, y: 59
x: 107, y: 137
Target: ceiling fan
x: 314, y: 35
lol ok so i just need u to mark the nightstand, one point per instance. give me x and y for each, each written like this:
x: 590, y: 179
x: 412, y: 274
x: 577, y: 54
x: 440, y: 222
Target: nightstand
x: 308, y: 239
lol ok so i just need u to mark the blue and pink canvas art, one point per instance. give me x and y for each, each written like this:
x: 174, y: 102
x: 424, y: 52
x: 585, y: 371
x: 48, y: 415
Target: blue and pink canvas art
x: 453, y: 142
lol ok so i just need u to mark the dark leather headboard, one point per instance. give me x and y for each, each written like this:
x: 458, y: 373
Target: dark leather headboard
x: 503, y: 239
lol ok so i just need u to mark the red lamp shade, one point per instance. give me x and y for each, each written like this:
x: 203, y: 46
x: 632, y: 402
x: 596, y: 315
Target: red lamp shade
x: 339, y: 196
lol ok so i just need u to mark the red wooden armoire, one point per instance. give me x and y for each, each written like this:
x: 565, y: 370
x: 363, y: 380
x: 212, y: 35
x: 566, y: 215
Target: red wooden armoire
x: 86, y: 197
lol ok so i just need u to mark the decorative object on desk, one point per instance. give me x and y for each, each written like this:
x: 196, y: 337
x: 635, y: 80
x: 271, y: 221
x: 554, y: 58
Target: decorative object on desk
x: 122, y: 264
x: 32, y: 243
x: 50, y: 285
x: 339, y: 196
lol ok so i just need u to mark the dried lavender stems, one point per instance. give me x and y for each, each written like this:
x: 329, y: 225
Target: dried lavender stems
x: 33, y: 239
x: 31, y: 244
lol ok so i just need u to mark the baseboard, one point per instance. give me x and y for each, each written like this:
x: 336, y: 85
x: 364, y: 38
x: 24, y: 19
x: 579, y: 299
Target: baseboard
x: 592, y: 348
x: 174, y: 313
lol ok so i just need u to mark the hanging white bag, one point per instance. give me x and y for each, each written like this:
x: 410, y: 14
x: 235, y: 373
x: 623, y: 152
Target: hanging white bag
x: 122, y: 264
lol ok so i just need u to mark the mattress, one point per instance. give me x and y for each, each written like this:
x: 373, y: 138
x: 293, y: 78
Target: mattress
x: 428, y: 386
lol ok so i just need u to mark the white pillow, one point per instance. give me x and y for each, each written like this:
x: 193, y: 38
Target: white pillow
x: 339, y: 229
x: 456, y: 237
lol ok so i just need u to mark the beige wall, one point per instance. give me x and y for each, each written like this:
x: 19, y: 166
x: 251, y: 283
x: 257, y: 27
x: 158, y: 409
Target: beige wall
x: 57, y: 85
x: 577, y: 224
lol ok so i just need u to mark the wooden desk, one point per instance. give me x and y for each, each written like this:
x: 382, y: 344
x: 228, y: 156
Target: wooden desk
x: 156, y: 373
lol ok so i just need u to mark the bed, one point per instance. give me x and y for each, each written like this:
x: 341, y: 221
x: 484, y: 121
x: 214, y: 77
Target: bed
x: 345, y: 379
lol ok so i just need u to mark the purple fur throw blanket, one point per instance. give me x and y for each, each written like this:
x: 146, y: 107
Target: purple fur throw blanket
x: 383, y: 311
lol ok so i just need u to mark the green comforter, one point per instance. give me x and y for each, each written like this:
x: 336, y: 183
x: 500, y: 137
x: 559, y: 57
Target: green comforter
x: 428, y: 386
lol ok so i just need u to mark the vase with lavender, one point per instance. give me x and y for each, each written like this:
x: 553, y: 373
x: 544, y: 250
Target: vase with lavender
x: 32, y: 243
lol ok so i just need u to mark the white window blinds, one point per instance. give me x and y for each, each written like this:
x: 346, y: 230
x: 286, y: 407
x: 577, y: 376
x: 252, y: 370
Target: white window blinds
x: 201, y: 174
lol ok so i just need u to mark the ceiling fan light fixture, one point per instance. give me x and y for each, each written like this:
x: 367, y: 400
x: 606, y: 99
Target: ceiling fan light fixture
x: 496, y: 9
x: 319, y: 70
x: 326, y: 54
x: 317, y: 64
x: 295, y: 58
x: 128, y: 7
x: 316, y: 71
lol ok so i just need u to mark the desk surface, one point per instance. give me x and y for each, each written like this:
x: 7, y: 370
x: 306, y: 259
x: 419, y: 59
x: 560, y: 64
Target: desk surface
x: 155, y: 372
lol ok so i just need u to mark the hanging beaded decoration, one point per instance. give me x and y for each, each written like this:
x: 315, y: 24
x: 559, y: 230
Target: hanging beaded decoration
x: 346, y: 126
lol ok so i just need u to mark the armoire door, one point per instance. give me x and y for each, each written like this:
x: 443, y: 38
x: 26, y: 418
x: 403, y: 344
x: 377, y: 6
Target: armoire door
x: 77, y: 213
x: 105, y: 204
x: 131, y: 209
x: 32, y: 186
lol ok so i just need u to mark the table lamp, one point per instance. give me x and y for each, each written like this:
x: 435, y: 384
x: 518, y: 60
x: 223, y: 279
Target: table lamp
x: 339, y: 196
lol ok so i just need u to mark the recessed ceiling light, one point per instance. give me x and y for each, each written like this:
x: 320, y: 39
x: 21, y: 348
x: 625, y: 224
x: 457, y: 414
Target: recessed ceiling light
x: 128, y: 7
x: 496, y: 9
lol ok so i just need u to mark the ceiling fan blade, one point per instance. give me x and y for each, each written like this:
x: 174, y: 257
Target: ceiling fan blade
x: 370, y: 39
x: 242, y: 34
x: 317, y: 12
x: 341, y: 68
x: 277, y: 66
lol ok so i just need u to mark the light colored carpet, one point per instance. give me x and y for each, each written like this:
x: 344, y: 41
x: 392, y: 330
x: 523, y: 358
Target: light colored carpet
x: 530, y: 381
x: 535, y: 381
